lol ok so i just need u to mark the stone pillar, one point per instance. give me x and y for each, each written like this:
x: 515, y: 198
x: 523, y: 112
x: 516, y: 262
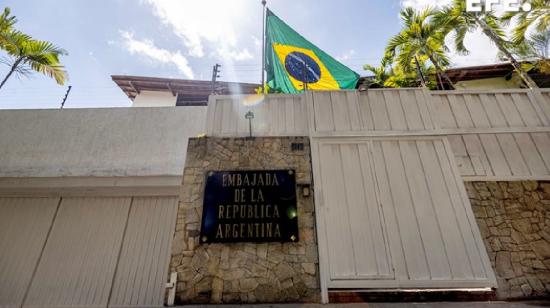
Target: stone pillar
x: 244, y: 272
x: 514, y: 219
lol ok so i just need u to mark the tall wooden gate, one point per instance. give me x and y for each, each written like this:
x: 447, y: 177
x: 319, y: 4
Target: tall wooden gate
x: 392, y: 210
x: 85, y: 251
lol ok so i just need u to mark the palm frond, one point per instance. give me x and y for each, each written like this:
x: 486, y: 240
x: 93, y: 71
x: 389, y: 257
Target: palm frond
x: 6, y: 21
x: 492, y: 22
x: 541, y: 43
x: 40, y: 56
x: 538, y: 19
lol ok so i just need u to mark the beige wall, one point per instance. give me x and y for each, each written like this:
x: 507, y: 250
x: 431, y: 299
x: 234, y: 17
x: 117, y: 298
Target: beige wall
x: 490, y: 84
x: 154, y: 99
x: 110, y: 142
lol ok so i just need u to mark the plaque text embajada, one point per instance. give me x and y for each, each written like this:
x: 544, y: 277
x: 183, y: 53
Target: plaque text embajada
x: 250, y: 206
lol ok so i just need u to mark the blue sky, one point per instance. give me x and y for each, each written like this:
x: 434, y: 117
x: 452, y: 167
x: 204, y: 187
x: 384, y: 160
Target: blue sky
x: 185, y: 38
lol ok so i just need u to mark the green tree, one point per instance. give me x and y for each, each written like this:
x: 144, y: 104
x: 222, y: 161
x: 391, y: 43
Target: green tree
x: 419, y: 38
x: 538, y: 19
x: 6, y: 22
x: 386, y: 76
x: 533, y: 53
x: 25, y: 54
x: 540, y: 43
x: 6, y: 26
x: 400, y: 79
x: 455, y: 19
x: 534, y: 47
x: 380, y: 74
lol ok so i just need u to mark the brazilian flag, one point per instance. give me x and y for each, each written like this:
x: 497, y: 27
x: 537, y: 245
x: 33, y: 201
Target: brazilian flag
x: 293, y: 64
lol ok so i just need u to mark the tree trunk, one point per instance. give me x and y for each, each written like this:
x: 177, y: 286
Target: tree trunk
x: 422, y: 80
x: 12, y: 69
x: 522, y: 74
x: 438, y: 70
x: 440, y: 81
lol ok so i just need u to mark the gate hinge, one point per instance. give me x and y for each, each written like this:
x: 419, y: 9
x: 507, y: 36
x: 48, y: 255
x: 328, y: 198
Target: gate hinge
x: 171, y: 286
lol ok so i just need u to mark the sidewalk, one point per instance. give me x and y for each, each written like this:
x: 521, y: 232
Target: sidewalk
x: 527, y: 304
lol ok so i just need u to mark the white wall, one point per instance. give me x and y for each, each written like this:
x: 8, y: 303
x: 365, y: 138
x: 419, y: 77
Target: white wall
x: 496, y: 134
x: 97, y: 142
x: 154, y: 99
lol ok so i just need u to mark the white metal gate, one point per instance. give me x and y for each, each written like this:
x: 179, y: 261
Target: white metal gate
x: 24, y: 225
x: 392, y: 212
x: 85, y: 251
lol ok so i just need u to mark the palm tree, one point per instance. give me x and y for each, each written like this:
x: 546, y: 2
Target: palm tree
x: 400, y: 79
x: 455, y: 19
x: 6, y: 21
x: 380, y: 73
x: 419, y: 38
x: 536, y: 47
x: 6, y: 25
x: 538, y: 18
x: 540, y: 43
x: 28, y: 55
x: 533, y: 53
x: 386, y: 76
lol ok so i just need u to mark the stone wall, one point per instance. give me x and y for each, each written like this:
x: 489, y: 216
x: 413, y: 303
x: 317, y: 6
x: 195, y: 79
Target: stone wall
x: 515, y: 224
x: 244, y: 272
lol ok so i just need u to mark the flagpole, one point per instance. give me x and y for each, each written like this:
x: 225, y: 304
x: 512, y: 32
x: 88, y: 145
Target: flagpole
x: 263, y: 45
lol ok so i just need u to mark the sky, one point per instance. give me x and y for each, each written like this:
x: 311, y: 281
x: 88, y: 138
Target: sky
x: 185, y: 38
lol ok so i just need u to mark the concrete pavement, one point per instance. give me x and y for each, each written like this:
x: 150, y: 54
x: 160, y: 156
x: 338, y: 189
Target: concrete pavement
x: 493, y: 304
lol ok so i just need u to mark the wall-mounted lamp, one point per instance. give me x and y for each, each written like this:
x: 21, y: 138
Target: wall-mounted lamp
x: 306, y: 189
x: 249, y: 116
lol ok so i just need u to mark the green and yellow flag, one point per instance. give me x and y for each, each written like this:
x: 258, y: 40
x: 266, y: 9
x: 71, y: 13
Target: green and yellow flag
x: 293, y: 64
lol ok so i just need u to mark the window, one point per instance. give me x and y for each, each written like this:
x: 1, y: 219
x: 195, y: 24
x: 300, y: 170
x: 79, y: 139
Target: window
x: 188, y: 100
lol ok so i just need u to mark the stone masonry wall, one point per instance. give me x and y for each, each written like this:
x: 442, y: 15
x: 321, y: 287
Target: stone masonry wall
x: 244, y: 272
x: 514, y: 219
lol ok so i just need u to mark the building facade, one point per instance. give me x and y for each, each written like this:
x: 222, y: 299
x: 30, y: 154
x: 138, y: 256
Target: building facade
x: 317, y: 197
x: 163, y: 92
x: 493, y: 77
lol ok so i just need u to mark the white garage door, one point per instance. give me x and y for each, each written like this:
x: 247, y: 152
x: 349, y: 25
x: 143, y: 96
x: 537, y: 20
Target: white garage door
x: 393, y: 213
x: 85, y: 252
x: 24, y: 225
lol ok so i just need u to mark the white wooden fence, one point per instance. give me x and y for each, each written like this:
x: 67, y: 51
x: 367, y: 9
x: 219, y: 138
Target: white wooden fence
x: 501, y: 134
x: 502, y: 109
x: 389, y: 165
x: 393, y: 213
x: 352, y: 112
x: 274, y: 115
x: 85, y: 251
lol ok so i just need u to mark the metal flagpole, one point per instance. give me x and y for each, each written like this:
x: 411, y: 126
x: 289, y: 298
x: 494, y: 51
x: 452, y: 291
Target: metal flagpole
x: 263, y: 45
x: 304, y: 75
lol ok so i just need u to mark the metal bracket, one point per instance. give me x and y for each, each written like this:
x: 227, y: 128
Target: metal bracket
x: 172, y: 289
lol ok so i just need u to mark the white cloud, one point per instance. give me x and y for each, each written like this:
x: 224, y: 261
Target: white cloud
x: 346, y: 55
x: 203, y: 22
x: 257, y: 41
x: 420, y: 4
x: 148, y: 49
x: 482, y: 50
x: 236, y: 55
